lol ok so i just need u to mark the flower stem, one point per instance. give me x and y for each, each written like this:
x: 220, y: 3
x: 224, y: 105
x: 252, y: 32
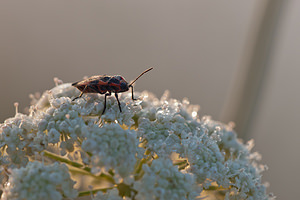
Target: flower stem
x: 85, y: 193
x: 215, y: 188
x: 138, y: 172
x: 64, y: 160
x: 80, y: 168
x: 126, y: 190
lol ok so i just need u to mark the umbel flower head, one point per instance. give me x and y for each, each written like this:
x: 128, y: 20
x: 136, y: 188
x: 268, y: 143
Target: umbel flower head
x: 153, y: 149
x: 52, y: 182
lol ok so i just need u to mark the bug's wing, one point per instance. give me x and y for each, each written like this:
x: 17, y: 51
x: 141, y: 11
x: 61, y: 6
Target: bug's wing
x: 90, y: 80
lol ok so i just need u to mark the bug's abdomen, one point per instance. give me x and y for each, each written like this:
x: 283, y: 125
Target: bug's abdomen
x: 93, y: 88
x: 94, y: 84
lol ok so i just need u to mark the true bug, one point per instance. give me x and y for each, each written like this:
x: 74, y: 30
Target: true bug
x: 105, y: 84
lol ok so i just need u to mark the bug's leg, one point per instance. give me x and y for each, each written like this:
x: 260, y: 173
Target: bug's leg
x: 81, y: 93
x: 116, y: 94
x: 107, y: 94
x: 132, y: 93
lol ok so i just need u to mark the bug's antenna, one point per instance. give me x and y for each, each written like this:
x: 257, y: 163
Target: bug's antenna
x: 140, y: 75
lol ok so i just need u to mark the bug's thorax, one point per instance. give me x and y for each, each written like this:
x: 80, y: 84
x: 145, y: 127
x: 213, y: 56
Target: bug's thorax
x: 117, y: 84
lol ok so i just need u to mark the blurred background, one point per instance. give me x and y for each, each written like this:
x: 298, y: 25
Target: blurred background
x: 237, y: 59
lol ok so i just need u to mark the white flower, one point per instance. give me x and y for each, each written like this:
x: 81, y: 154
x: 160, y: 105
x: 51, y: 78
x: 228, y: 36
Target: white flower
x: 62, y: 120
x: 18, y: 135
x: 240, y: 166
x: 53, y: 136
x: 163, y: 132
x: 38, y: 181
x: 205, y: 159
x: 164, y: 181
x: 112, y: 148
x: 112, y: 112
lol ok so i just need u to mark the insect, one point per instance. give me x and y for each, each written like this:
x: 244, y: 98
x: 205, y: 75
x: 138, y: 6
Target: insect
x: 105, y: 84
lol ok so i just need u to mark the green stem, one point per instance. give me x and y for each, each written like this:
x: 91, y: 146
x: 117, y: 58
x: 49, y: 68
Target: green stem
x: 138, y: 172
x: 80, y: 171
x: 80, y: 167
x: 85, y: 193
x: 64, y: 160
x: 181, y: 167
x: 126, y: 190
x: 180, y: 162
x: 107, y: 177
x: 216, y: 188
x: 139, y: 165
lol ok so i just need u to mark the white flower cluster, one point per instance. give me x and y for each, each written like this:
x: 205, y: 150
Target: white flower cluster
x: 242, y: 172
x: 39, y: 181
x: 20, y: 137
x: 164, y: 181
x: 112, y: 148
x: 154, y: 149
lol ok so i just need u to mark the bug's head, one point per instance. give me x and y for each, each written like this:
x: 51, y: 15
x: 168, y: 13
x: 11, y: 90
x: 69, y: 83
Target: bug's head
x: 124, y: 86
